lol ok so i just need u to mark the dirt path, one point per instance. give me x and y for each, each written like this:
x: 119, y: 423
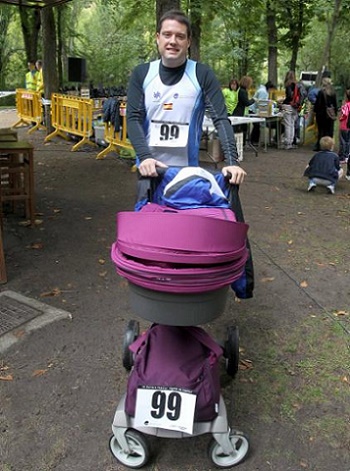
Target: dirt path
x: 291, y: 395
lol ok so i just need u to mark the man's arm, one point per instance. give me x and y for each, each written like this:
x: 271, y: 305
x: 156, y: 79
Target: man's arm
x: 136, y: 112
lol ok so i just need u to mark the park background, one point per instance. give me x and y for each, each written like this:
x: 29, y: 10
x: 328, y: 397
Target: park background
x: 263, y: 39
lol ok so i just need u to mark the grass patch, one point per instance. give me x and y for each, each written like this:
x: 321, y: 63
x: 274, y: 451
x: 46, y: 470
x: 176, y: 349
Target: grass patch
x: 303, y: 374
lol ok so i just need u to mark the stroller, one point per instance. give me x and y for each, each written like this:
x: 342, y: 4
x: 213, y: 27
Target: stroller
x: 178, y: 282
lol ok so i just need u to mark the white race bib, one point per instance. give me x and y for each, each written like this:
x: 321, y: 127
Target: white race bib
x: 164, y: 134
x: 171, y: 409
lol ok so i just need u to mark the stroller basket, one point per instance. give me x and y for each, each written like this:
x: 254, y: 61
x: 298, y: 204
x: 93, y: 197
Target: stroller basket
x: 177, y: 309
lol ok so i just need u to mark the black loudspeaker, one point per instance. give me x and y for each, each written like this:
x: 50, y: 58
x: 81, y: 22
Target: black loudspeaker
x: 76, y: 69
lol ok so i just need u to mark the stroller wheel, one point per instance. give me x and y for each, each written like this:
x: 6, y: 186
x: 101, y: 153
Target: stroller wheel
x: 138, y: 453
x: 231, y: 351
x: 131, y: 333
x: 240, y: 448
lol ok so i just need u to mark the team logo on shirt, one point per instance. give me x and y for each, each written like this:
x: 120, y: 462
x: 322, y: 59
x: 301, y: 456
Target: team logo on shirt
x: 167, y: 106
x: 156, y: 95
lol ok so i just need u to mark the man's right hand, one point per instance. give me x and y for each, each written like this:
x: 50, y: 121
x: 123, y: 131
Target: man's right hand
x: 147, y: 167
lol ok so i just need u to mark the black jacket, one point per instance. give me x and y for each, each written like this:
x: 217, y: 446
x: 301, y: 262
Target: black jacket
x: 324, y: 164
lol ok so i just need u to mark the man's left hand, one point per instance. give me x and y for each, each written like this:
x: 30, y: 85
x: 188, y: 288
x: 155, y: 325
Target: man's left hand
x: 237, y: 174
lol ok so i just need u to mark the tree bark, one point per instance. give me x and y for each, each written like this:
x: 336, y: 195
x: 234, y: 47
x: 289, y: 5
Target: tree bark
x: 327, y: 49
x: 272, y: 42
x: 49, y: 58
x: 165, y: 5
x: 31, y: 23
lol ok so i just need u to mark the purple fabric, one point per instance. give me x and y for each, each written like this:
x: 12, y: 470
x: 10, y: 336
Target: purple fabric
x: 174, y: 278
x: 180, y: 232
x: 177, y: 357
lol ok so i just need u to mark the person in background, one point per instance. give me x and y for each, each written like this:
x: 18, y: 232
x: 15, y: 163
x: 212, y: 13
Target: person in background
x: 231, y: 96
x: 290, y: 113
x: 344, y: 132
x: 324, y: 167
x: 262, y: 93
x: 243, y: 103
x: 166, y: 103
x: 39, y: 79
x: 31, y: 77
x: 325, y: 106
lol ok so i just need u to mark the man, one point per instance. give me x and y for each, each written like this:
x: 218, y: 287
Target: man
x: 31, y: 77
x: 166, y: 104
x: 40, y: 80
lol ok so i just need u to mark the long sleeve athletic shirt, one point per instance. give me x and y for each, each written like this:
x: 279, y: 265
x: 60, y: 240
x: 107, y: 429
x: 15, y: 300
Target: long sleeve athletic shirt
x: 149, y: 108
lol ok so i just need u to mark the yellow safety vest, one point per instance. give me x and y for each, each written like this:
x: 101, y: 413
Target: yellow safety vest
x: 31, y: 79
x: 39, y: 81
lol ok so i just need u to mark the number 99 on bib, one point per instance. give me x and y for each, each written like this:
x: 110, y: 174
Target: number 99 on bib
x: 171, y: 409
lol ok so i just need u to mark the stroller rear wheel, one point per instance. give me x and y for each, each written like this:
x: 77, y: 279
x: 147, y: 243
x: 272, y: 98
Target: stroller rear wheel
x: 131, y: 333
x: 231, y: 351
x: 240, y: 448
x: 138, y: 453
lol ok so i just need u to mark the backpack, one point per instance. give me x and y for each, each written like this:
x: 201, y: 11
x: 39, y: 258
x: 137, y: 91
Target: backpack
x: 172, y: 357
x: 299, y: 96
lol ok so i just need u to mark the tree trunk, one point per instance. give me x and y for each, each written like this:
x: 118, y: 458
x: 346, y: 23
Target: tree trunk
x: 49, y: 59
x: 272, y: 54
x: 196, y: 23
x: 165, y: 5
x: 30, y: 21
x: 327, y: 49
x: 59, y: 46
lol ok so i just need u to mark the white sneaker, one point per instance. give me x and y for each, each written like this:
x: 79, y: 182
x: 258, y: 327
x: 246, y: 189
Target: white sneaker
x: 311, y: 186
x: 347, y: 177
x: 331, y: 189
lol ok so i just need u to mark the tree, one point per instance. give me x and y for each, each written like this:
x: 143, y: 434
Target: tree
x: 272, y: 37
x: 325, y: 60
x: 163, y: 6
x: 31, y: 23
x: 5, y: 51
x: 49, y: 51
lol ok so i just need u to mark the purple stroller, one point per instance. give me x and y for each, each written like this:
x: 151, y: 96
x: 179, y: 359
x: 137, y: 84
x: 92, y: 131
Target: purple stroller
x: 177, y: 281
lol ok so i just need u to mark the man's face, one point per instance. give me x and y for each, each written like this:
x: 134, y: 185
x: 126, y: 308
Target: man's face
x: 173, y: 43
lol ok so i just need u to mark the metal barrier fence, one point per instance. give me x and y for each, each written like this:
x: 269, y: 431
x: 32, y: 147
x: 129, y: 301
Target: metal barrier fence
x: 117, y: 139
x: 73, y: 115
x: 29, y: 109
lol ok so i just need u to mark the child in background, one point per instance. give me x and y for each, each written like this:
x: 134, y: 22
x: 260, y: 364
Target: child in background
x: 344, y: 133
x: 324, y: 167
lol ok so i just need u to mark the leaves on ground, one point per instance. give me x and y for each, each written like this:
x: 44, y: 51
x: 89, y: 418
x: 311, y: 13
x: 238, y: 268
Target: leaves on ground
x: 304, y: 284
x: 54, y: 292
x: 267, y: 279
x: 8, y: 377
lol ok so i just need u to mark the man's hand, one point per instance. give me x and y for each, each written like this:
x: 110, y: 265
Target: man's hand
x: 237, y: 174
x: 147, y: 167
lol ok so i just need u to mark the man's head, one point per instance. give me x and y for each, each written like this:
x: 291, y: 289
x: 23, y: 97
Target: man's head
x: 38, y: 64
x: 31, y: 65
x: 326, y: 143
x: 173, y: 38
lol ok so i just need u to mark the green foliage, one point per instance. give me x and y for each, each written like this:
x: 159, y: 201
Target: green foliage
x: 115, y: 35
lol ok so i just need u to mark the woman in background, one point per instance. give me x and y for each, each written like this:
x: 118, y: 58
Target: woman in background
x: 326, y: 110
x: 243, y: 102
x: 290, y: 113
x: 231, y: 96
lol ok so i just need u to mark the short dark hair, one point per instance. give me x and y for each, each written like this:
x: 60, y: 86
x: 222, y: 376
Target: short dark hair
x: 176, y: 15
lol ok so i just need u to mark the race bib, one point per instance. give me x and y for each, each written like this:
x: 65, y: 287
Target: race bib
x: 171, y: 409
x: 163, y: 134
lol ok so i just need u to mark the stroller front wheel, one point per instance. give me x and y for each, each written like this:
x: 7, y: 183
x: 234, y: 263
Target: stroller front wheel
x: 137, y: 455
x: 240, y: 448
